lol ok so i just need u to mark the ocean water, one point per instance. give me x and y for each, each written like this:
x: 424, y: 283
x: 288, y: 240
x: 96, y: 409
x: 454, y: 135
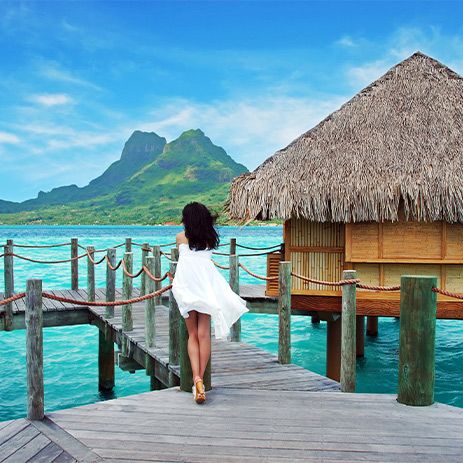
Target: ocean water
x: 70, y: 352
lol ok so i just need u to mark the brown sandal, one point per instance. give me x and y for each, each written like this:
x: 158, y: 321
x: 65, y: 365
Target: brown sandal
x: 199, y: 392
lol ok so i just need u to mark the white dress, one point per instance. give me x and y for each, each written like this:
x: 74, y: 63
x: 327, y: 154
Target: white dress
x: 199, y: 286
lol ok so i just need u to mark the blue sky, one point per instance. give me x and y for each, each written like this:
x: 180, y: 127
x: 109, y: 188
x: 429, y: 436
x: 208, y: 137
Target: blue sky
x: 78, y: 77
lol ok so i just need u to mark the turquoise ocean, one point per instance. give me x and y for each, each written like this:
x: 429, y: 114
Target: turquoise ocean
x: 70, y: 353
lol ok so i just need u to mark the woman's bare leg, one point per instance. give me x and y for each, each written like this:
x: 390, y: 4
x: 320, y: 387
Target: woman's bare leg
x: 193, y: 343
x: 204, y: 337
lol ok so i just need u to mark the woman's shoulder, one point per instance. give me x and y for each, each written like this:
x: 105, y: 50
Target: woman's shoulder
x: 181, y: 238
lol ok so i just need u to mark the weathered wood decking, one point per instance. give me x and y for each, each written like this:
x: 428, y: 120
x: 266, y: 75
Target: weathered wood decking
x: 236, y: 425
x: 257, y: 411
x: 234, y: 364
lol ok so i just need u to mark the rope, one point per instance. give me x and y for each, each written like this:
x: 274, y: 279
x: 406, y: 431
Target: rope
x: 244, y: 255
x: 326, y: 283
x: 223, y: 267
x: 93, y: 261
x: 109, y: 263
x: 152, y: 277
x: 257, y: 249
x: 447, y: 293
x: 102, y: 250
x: 40, y: 245
x: 131, y: 275
x: 167, y: 244
x: 259, y: 277
x: 12, y: 298
x: 45, y: 261
x: 166, y: 255
x: 107, y: 303
x: 379, y: 288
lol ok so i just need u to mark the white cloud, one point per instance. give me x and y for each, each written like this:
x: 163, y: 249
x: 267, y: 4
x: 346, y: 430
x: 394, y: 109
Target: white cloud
x: 346, y: 41
x: 52, y: 99
x: 53, y: 71
x: 367, y: 73
x: 402, y: 43
x: 6, y: 137
x: 249, y: 130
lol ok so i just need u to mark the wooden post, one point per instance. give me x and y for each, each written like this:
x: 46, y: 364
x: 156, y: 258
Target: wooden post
x: 234, y: 276
x: 110, y: 282
x: 372, y: 325
x: 174, y: 316
x: 74, y: 264
x: 175, y: 324
x: 284, y: 312
x: 34, y: 350
x: 418, y: 305
x: 232, y: 246
x: 157, y: 272
x: 128, y: 245
x: 90, y: 274
x: 127, y: 286
x: 9, y: 284
x: 360, y: 336
x: 333, y: 348
x: 105, y: 361
x: 150, y: 306
x: 348, y: 336
x: 145, y: 249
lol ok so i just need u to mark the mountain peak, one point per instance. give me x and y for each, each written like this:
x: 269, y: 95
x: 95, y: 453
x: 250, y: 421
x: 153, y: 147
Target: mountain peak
x: 142, y: 142
x: 192, y: 133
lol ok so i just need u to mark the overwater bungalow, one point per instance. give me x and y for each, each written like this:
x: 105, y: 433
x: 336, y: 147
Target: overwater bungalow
x: 377, y: 186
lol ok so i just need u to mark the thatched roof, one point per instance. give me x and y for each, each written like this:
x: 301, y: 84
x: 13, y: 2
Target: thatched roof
x: 397, y: 142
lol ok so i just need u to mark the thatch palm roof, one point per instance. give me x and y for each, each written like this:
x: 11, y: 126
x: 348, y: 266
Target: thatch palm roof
x: 399, y: 142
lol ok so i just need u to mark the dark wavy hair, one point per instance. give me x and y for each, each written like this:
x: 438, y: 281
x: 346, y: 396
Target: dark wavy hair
x: 199, y: 226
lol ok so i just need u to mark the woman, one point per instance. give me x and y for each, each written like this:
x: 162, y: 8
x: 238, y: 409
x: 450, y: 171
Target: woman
x: 201, y: 291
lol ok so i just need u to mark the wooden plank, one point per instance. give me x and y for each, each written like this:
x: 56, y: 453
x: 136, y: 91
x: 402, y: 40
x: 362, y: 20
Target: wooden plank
x: 28, y: 451
x: 68, y: 443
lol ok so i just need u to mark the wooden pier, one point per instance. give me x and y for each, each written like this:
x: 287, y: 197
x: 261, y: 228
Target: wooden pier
x: 260, y: 408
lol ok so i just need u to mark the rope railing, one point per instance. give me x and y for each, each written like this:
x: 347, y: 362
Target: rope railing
x: 447, y: 293
x: 12, y: 298
x: 378, y: 288
x: 95, y: 262
x: 131, y: 275
x: 37, y: 261
x: 41, y: 245
x: 114, y: 268
x: 166, y: 255
x: 107, y: 303
x: 223, y: 267
x: 255, y: 275
x: 245, y: 255
x: 324, y: 282
x: 151, y: 247
x: 257, y: 249
x: 103, y: 250
x: 91, y: 303
x: 156, y: 279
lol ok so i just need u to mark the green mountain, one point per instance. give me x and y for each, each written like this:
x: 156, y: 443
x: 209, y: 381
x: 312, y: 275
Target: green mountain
x: 150, y: 183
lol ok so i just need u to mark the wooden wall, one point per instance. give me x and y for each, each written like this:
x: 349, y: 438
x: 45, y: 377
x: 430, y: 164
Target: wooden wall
x: 380, y: 253
x: 315, y: 250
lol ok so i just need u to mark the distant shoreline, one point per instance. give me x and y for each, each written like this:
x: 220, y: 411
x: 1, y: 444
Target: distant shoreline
x: 169, y: 224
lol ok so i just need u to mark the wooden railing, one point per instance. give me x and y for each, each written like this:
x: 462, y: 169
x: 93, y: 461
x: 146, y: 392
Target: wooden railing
x: 416, y: 352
